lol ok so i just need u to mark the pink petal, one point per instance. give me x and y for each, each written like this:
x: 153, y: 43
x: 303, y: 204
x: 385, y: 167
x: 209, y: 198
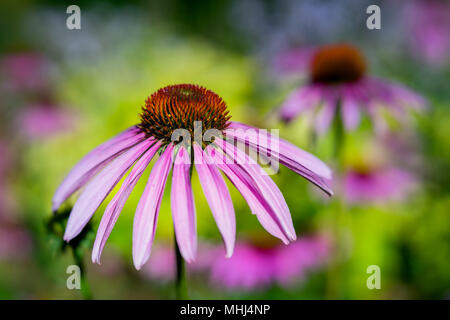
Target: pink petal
x: 146, y: 216
x: 247, y: 187
x: 218, y: 197
x: 93, y: 162
x: 299, y: 101
x: 325, y: 116
x: 264, y: 183
x: 292, y: 106
x: 289, y: 155
x: 114, y: 208
x: 99, y: 187
x: 183, y: 208
x: 350, y: 113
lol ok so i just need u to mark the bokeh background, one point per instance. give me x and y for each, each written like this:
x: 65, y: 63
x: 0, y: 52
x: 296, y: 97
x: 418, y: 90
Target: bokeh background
x: 63, y: 92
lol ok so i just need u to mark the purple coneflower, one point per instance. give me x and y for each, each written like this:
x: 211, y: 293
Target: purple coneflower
x: 255, y: 265
x: 338, y: 78
x: 377, y: 185
x: 166, y: 112
x: 44, y: 120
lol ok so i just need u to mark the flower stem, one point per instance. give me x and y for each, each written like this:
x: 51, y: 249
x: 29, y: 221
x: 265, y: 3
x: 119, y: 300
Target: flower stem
x: 181, y: 291
x: 339, y: 136
x: 334, y: 272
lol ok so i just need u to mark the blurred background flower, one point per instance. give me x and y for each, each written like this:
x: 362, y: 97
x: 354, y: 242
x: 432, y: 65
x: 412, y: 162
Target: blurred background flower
x: 62, y: 92
x: 376, y: 185
x: 257, y: 264
x: 338, y: 86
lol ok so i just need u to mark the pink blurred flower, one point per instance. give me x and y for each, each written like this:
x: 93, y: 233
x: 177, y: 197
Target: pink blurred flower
x: 429, y: 28
x: 377, y: 185
x: 338, y: 74
x: 44, y: 120
x: 162, y: 267
x: 23, y: 71
x: 253, y: 266
x: 15, y: 242
x: 166, y: 112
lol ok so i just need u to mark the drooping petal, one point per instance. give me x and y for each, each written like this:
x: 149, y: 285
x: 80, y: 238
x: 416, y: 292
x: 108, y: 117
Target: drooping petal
x: 146, y: 216
x: 93, y: 162
x: 183, y: 208
x: 114, y: 208
x: 264, y: 183
x: 350, y: 112
x: 99, y: 187
x: 375, y: 112
x: 299, y: 101
x: 325, y: 116
x: 296, y: 159
x: 218, y: 197
x: 292, y: 106
x: 408, y: 98
x: 255, y: 200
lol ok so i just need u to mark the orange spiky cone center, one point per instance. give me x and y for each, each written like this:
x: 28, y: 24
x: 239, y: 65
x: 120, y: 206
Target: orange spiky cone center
x: 179, y: 107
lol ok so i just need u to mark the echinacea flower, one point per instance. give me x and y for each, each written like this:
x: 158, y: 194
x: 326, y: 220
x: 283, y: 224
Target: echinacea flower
x: 377, y: 185
x: 254, y: 265
x: 339, y: 84
x: 44, y: 120
x: 177, y: 122
x: 377, y: 172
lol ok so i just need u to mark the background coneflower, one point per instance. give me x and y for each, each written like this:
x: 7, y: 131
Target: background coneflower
x: 339, y: 84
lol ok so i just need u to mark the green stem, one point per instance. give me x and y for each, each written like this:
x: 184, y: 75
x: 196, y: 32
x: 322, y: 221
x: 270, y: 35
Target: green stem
x: 181, y: 291
x: 334, y: 271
